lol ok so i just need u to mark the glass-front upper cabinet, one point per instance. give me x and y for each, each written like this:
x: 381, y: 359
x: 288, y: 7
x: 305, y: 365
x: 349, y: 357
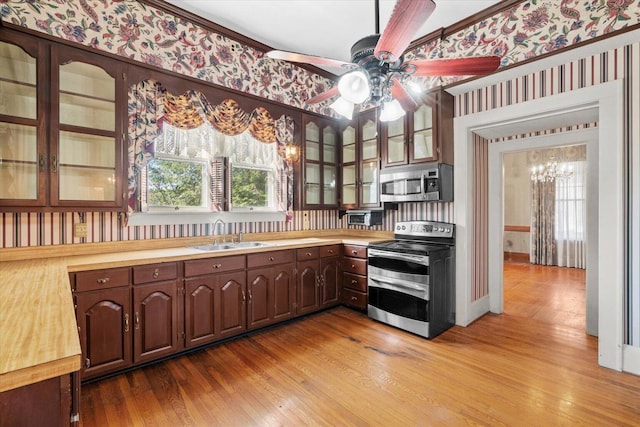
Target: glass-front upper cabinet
x: 22, y: 142
x: 320, y: 163
x: 361, y: 163
x: 425, y: 135
x: 87, y: 156
x: 62, y: 115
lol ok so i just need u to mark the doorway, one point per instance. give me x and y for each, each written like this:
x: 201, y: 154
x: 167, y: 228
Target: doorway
x: 544, y: 268
x: 602, y: 104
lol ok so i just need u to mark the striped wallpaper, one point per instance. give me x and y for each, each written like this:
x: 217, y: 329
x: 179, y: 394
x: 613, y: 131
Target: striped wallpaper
x: 619, y: 63
x: 43, y: 229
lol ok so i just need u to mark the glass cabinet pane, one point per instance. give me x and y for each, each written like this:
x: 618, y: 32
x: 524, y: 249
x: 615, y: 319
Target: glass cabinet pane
x: 18, y: 162
x: 312, y: 142
x: 87, y: 96
x: 329, y: 185
x: 370, y: 183
x: 17, y: 82
x: 349, y: 185
x: 87, y: 167
x: 423, y: 144
x: 395, y: 149
x: 349, y: 145
x: 422, y: 118
x: 370, y: 149
x: 369, y: 130
x: 329, y: 138
x: 312, y: 184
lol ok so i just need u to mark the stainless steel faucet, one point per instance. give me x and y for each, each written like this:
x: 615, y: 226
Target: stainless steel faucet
x: 224, y: 237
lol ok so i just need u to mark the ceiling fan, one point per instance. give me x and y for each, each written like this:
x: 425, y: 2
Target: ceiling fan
x: 377, y: 71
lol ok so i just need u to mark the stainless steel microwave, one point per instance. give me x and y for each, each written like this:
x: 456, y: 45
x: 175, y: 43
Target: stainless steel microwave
x: 367, y: 218
x: 432, y: 182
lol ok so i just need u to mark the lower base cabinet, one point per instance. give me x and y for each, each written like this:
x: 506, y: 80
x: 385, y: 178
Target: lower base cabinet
x: 354, y: 277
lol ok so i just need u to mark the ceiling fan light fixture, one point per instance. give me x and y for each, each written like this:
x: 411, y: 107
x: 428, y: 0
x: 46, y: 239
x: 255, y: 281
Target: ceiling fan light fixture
x: 343, y: 107
x: 354, y: 86
x: 391, y: 110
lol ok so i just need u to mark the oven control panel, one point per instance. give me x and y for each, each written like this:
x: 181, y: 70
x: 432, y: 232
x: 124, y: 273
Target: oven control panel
x: 425, y: 229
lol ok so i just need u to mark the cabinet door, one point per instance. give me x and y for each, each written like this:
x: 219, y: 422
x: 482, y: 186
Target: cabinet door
x: 330, y: 289
x: 201, y: 301
x: 394, y: 143
x: 104, y: 325
x: 232, y: 310
x: 320, y: 163
x: 259, y: 310
x: 23, y: 156
x: 349, y: 175
x: 422, y: 148
x: 308, y: 284
x: 86, y: 129
x: 283, y: 292
x: 155, y: 320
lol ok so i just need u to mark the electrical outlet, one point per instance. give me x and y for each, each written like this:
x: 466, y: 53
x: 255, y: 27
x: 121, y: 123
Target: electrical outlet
x: 80, y: 229
x: 305, y: 220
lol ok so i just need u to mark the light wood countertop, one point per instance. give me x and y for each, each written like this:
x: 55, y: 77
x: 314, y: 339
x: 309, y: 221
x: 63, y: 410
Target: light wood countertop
x: 38, y: 332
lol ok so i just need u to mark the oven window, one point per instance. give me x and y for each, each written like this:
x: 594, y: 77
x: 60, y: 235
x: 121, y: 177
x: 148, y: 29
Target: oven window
x: 399, y: 266
x: 399, y: 303
x: 401, y: 187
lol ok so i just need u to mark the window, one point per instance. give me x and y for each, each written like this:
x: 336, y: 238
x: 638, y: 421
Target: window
x: 570, y: 206
x: 202, y: 170
x: 177, y: 184
x: 252, y: 188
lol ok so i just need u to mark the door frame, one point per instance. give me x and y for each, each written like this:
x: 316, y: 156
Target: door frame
x: 543, y: 113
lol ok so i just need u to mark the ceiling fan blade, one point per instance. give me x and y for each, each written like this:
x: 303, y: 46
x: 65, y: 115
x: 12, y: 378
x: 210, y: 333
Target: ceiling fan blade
x: 456, y: 67
x: 407, y: 17
x: 404, y: 98
x: 310, y: 59
x: 323, y: 96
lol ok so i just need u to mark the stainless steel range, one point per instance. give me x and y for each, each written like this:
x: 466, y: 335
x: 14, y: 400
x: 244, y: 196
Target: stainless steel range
x: 411, y: 279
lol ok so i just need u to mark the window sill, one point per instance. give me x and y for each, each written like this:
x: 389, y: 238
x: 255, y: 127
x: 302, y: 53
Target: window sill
x: 175, y: 218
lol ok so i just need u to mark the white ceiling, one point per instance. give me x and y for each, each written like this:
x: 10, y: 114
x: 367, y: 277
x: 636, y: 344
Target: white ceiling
x: 318, y: 27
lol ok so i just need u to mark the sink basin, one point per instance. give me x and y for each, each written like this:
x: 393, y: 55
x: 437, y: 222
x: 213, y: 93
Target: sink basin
x: 228, y: 246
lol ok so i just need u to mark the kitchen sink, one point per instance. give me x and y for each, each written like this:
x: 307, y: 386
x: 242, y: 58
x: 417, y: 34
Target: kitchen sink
x: 229, y: 246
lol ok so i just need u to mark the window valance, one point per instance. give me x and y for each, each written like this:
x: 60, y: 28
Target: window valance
x: 151, y: 105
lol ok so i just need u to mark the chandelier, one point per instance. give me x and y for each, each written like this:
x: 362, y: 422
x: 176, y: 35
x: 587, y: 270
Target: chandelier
x: 550, y: 171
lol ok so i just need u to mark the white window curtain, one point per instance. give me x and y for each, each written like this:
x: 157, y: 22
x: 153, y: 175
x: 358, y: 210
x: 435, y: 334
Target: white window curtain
x: 571, y: 217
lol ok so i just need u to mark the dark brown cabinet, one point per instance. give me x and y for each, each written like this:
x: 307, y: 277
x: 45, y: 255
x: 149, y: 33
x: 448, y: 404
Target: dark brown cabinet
x: 67, y: 120
x: 270, y: 288
x: 354, y: 276
x: 103, y: 313
x: 425, y: 135
x: 155, y: 320
x: 361, y: 163
x: 214, y: 302
x: 319, y: 163
x: 317, y: 275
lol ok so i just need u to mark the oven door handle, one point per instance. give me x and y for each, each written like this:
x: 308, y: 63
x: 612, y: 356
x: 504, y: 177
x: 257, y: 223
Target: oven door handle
x: 419, y: 259
x: 394, y: 284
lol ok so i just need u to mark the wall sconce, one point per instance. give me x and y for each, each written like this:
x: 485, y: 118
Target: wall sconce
x: 291, y: 152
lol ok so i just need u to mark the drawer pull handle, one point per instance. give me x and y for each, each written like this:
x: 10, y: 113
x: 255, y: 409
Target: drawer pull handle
x: 103, y: 281
x: 308, y: 253
x: 354, y: 252
x: 271, y: 258
x: 330, y: 251
x: 126, y: 322
x: 215, y: 266
x: 354, y: 282
x: 156, y: 273
x: 137, y: 320
x: 244, y: 297
x: 354, y: 298
x: 353, y: 266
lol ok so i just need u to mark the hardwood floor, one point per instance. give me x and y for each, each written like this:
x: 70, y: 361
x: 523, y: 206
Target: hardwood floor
x: 527, y: 367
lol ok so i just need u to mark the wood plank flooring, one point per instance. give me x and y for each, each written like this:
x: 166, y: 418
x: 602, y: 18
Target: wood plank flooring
x: 527, y: 367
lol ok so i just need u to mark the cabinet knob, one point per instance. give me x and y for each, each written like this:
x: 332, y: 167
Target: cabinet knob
x: 354, y: 282
x: 354, y: 299
x: 308, y: 253
x: 103, y: 281
x: 156, y: 273
x: 330, y: 251
x: 271, y: 258
x: 354, y: 252
x: 137, y: 320
x: 353, y: 266
x: 216, y: 266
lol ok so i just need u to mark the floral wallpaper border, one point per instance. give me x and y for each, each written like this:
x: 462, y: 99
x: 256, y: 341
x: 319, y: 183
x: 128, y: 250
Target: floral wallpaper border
x: 150, y: 35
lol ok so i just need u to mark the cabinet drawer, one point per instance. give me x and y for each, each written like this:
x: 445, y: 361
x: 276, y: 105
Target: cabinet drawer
x: 269, y: 258
x: 307, y: 253
x: 154, y: 273
x: 327, y: 251
x: 213, y: 265
x: 101, y: 279
x: 355, y: 282
x: 355, y: 251
x: 354, y: 299
x: 354, y: 265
